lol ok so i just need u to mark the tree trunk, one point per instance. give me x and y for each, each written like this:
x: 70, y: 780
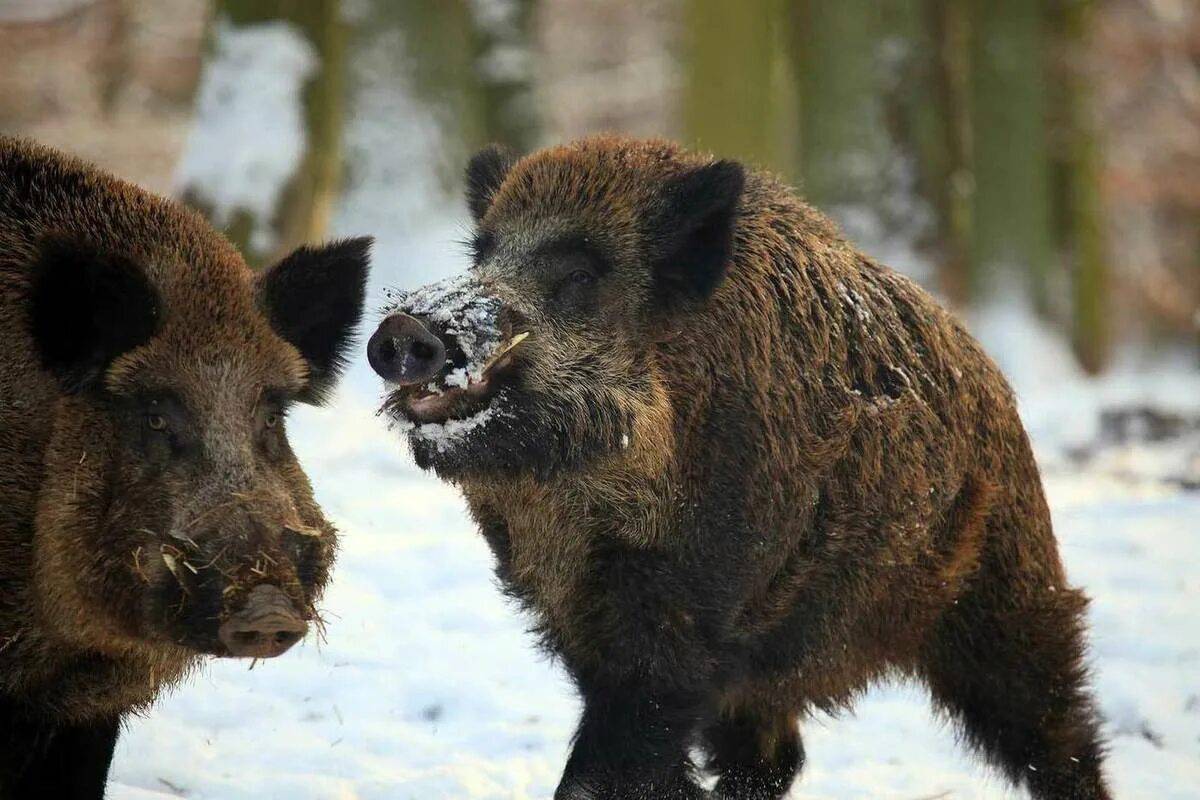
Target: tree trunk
x: 729, y: 99
x: 504, y: 74
x: 1011, y: 209
x: 933, y: 124
x: 473, y: 70
x: 306, y: 207
x: 1078, y: 162
x: 843, y: 139
x: 304, y: 201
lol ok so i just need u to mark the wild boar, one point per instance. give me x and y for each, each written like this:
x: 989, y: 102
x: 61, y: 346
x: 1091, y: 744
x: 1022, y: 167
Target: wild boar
x: 737, y: 470
x: 151, y: 510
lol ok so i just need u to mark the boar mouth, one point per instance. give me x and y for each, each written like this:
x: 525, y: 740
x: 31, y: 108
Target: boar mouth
x: 460, y: 392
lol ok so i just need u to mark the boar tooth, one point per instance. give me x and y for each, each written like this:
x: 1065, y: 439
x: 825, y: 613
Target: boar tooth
x: 137, y: 564
x: 180, y: 535
x: 169, y: 560
x: 504, y: 348
x: 303, y: 530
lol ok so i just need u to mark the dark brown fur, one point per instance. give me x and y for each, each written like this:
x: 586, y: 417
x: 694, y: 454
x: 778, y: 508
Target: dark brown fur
x: 122, y: 548
x: 826, y: 483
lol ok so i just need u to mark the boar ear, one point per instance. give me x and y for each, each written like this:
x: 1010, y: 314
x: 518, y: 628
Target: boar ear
x: 86, y: 308
x: 485, y: 173
x: 314, y: 299
x: 692, y: 234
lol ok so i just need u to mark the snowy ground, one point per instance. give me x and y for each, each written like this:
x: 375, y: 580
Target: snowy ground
x: 428, y: 687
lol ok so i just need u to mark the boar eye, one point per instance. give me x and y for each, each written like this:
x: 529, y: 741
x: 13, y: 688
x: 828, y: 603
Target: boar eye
x: 581, y: 277
x: 156, y: 422
x: 272, y: 419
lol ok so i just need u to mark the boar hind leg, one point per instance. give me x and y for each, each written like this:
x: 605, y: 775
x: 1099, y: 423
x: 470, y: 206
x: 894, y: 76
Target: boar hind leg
x: 1011, y: 672
x: 69, y: 762
x: 755, y: 755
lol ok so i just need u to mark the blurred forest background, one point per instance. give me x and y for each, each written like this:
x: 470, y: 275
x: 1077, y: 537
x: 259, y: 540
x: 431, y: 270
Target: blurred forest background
x: 1035, y: 163
x: 1044, y: 150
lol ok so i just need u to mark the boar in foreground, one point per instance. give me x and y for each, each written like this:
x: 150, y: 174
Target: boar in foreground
x: 737, y: 470
x: 151, y: 510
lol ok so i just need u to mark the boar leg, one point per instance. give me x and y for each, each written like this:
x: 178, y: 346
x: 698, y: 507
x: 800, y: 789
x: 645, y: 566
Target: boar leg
x: 1012, y: 673
x: 645, y: 674
x: 756, y: 756
x: 63, y: 761
x: 632, y: 743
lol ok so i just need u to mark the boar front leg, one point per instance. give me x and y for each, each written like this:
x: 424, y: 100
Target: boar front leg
x: 58, y: 761
x: 644, y: 671
x: 632, y: 743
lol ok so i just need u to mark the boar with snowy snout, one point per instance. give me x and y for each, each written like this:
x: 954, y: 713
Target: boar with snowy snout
x: 151, y: 510
x: 737, y: 471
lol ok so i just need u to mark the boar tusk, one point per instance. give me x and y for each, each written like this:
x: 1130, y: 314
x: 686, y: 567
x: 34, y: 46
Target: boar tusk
x: 169, y: 560
x: 174, y: 534
x: 504, y: 348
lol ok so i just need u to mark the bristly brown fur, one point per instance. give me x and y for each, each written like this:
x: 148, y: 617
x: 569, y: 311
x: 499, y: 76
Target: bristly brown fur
x: 122, y: 548
x: 826, y: 482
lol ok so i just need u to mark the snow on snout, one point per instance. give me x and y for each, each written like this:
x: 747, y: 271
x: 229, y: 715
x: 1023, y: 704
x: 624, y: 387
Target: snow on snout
x: 458, y: 308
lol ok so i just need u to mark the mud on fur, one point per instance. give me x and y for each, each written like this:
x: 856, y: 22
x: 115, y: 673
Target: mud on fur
x: 151, y: 510
x: 737, y: 472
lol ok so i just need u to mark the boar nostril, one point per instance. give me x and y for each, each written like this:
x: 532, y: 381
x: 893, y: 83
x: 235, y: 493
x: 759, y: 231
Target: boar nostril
x: 422, y: 350
x: 387, y: 349
x: 287, y: 638
x: 403, y: 350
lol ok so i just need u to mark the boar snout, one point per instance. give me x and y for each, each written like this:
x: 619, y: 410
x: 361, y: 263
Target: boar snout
x: 404, y: 351
x: 267, y: 626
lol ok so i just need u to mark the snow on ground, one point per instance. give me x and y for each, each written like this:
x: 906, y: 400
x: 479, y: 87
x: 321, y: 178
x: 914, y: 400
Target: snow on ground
x: 428, y: 686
